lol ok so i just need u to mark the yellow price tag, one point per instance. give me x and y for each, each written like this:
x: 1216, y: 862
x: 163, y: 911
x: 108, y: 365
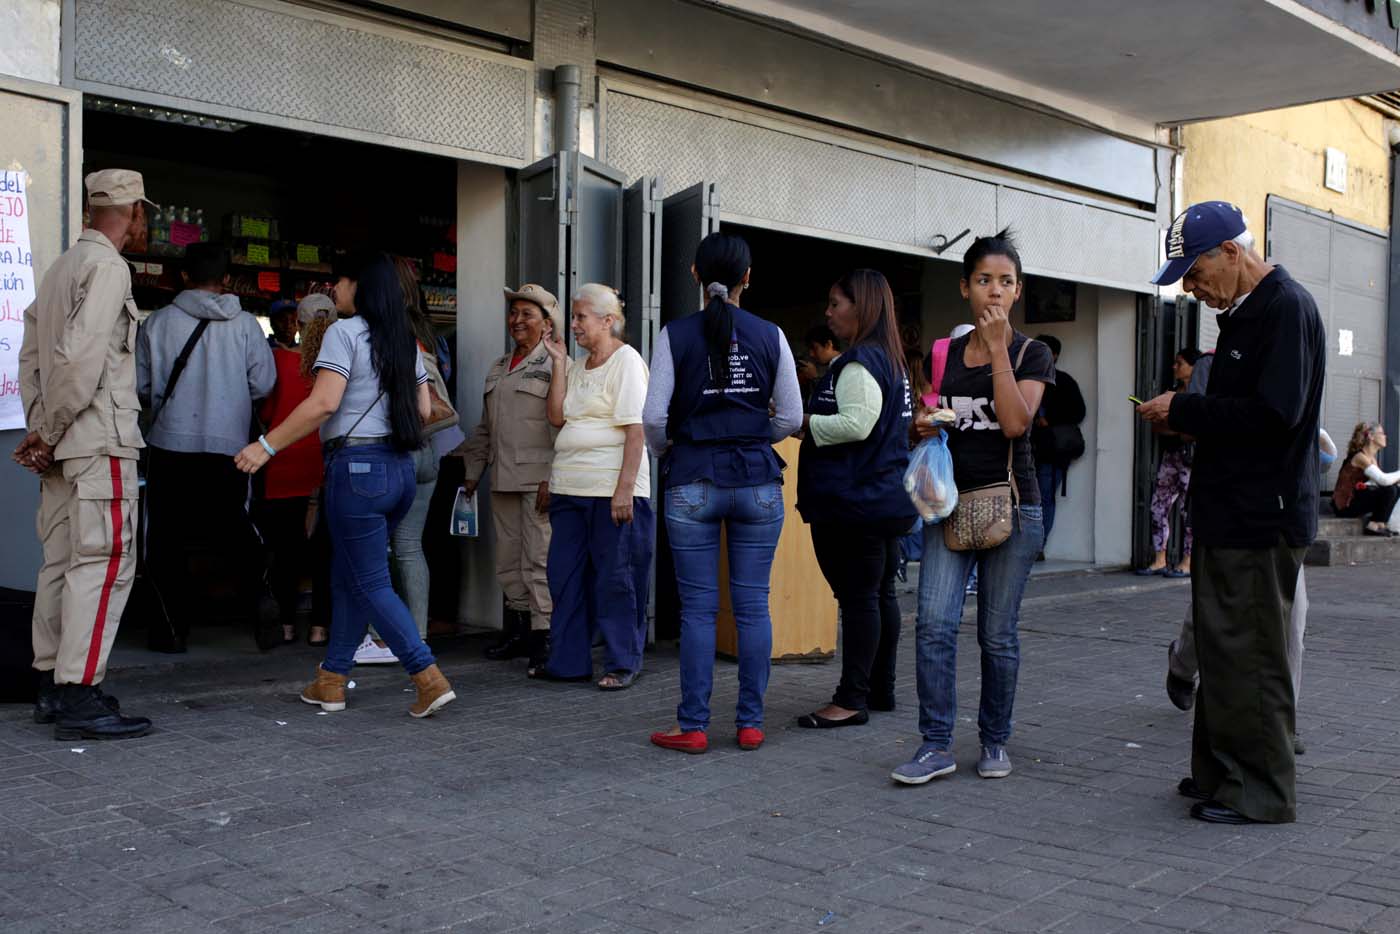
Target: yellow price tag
x: 254, y: 227
x: 308, y: 254
x: 258, y: 254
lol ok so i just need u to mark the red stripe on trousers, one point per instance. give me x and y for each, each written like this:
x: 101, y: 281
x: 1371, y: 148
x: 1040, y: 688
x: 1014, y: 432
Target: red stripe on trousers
x: 95, y: 648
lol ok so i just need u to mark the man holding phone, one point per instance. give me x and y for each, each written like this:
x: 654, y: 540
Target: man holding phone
x: 1262, y: 405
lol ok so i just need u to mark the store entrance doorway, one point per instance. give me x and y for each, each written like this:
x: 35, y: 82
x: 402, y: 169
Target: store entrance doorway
x: 287, y: 206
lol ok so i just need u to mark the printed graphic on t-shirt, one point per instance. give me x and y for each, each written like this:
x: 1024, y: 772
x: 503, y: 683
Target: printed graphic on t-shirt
x: 975, y: 413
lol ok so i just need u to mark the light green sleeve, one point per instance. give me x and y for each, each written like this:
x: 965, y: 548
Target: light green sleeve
x: 858, y: 405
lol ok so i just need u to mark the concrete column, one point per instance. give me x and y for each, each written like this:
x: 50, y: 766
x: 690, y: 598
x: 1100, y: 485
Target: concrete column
x: 1113, y: 481
x: 481, y: 338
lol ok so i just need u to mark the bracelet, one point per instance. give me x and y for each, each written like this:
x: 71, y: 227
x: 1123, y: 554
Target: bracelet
x: 1007, y: 370
x: 271, y: 451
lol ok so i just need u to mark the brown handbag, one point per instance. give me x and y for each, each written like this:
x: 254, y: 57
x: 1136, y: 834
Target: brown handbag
x: 984, y: 514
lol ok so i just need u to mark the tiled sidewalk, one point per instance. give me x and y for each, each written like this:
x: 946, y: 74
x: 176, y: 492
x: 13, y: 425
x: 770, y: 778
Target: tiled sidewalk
x: 542, y: 807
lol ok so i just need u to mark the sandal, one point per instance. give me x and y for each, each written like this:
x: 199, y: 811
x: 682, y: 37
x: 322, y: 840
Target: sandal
x: 623, y: 679
x: 321, y: 642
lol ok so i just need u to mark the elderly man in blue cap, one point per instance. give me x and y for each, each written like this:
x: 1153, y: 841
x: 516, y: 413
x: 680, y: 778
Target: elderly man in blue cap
x: 1260, y: 410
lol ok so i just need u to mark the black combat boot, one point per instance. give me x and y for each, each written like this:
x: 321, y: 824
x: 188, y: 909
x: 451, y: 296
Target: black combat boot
x: 538, y: 642
x: 46, y: 702
x: 514, y: 626
x: 84, y: 712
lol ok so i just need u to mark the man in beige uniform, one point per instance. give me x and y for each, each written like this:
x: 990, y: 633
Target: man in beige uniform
x: 78, y: 385
x: 514, y: 437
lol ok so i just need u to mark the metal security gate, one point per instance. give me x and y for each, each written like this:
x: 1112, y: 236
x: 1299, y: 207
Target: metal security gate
x: 1346, y: 268
x: 689, y: 217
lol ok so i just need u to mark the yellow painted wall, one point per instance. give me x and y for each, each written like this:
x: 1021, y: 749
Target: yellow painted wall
x: 1280, y: 152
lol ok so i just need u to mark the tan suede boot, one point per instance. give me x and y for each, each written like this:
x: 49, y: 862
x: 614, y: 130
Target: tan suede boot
x: 433, y: 692
x: 327, y: 691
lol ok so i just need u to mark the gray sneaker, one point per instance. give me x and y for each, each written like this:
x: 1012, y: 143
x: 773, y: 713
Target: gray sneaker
x: 995, y: 763
x: 928, y: 763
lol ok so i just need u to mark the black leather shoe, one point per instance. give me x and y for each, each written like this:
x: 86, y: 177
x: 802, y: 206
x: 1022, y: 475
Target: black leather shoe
x: 1213, y: 812
x: 46, y: 702
x: 84, y: 712
x: 1188, y: 788
x: 1181, y: 692
x: 812, y: 721
x: 1298, y: 747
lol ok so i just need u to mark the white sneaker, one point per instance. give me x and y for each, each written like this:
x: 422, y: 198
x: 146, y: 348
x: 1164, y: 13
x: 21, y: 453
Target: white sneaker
x: 372, y: 653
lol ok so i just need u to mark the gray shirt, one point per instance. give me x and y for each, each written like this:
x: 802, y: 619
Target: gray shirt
x: 345, y: 350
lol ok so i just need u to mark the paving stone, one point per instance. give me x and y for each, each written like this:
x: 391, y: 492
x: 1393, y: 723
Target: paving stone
x: 479, y: 821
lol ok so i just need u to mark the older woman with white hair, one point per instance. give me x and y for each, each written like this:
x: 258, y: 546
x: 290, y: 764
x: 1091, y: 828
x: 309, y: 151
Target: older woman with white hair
x: 599, y: 512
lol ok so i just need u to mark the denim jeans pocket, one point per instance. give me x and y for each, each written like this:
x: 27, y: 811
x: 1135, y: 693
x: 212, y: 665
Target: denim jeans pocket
x: 688, y: 498
x: 369, y: 480
x: 768, y: 497
x: 1032, y: 513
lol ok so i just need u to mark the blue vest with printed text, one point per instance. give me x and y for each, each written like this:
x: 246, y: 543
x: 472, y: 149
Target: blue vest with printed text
x: 721, y: 434
x: 859, y: 481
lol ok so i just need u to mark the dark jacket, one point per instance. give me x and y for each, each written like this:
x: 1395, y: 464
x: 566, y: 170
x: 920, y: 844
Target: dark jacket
x: 1063, y: 405
x: 1256, y: 463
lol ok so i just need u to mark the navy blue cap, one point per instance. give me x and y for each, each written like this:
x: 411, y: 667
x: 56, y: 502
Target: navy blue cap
x: 1196, y: 230
x: 282, y: 304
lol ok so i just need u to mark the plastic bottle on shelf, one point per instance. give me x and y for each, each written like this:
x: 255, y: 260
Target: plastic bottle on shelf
x: 199, y: 221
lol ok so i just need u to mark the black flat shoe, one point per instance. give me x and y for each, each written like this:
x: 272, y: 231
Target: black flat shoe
x: 1188, y: 788
x: 544, y: 674
x: 812, y: 721
x: 1213, y: 812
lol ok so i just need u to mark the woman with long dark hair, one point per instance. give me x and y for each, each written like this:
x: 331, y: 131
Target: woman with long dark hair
x: 369, y: 401
x: 850, y: 488
x: 992, y: 379
x: 1173, y: 480
x: 1362, y: 487
x: 713, y: 377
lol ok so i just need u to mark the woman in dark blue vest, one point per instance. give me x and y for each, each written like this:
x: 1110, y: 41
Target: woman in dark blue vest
x: 850, y: 487
x: 714, y: 376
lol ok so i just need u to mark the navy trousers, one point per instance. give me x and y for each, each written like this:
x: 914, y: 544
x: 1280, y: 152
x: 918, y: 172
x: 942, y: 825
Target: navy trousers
x: 599, y: 576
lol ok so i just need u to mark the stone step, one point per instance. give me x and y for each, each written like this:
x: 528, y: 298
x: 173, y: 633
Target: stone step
x: 1353, y: 549
x: 1332, y: 527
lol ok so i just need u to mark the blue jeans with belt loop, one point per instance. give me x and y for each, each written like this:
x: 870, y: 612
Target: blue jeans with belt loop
x: 1003, y: 572
x: 368, y: 490
x: 752, y: 519
x: 599, y: 578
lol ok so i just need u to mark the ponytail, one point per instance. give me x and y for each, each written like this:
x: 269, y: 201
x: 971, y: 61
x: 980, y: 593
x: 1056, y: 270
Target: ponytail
x: 721, y: 263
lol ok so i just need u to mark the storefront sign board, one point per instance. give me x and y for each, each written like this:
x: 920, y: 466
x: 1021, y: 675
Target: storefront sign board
x: 16, y: 290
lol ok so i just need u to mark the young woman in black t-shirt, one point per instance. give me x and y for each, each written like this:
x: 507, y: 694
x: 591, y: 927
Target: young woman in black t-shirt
x: 993, y: 381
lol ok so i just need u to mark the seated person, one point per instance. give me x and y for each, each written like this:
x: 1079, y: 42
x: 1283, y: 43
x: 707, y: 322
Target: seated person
x: 1362, y: 487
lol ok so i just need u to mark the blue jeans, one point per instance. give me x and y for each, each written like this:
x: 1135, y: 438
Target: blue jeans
x: 368, y: 490
x: 1048, y: 477
x: 752, y: 518
x: 599, y: 575
x: 1002, y: 580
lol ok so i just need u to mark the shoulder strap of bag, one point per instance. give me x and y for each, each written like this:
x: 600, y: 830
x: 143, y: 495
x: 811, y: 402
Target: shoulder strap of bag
x: 938, y: 356
x: 1011, y: 444
x: 179, y: 367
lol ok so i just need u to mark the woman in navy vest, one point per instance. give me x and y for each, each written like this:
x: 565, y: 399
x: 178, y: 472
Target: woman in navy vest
x: 993, y: 379
x: 714, y: 376
x: 850, y: 487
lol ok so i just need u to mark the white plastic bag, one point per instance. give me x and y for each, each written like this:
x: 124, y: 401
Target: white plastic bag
x: 929, y: 479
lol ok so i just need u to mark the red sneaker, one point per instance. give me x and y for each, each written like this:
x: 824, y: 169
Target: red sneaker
x: 691, y: 741
x: 750, y: 737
